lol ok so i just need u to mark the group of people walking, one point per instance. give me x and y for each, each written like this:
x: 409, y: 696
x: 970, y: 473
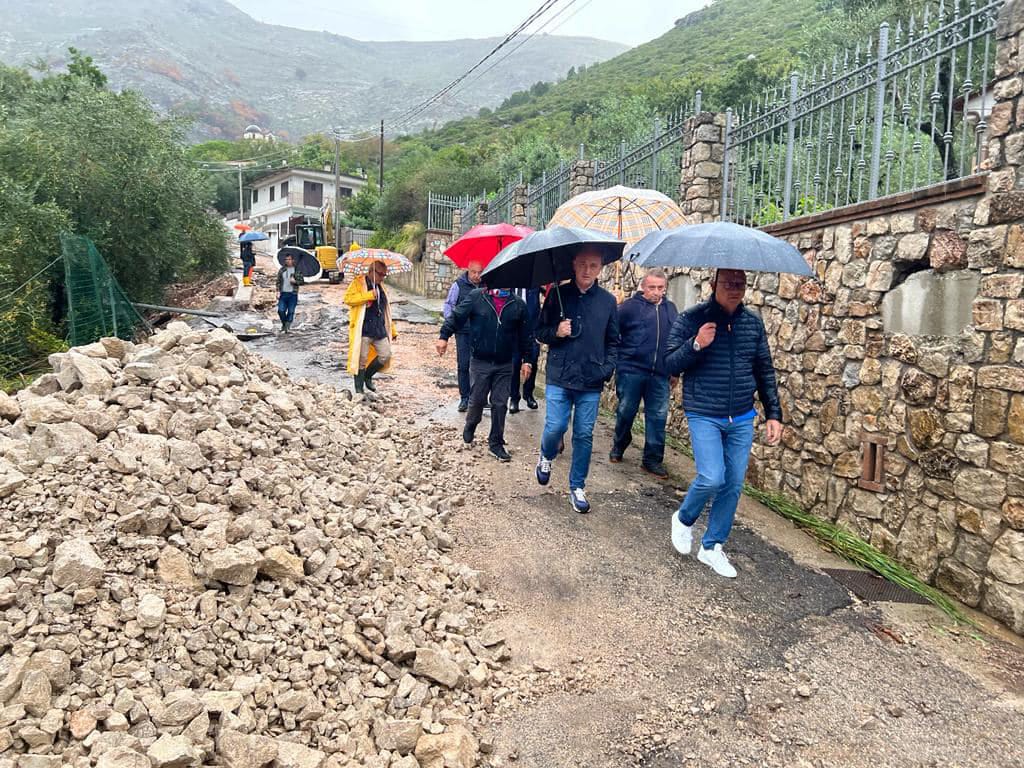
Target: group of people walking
x: 719, y: 348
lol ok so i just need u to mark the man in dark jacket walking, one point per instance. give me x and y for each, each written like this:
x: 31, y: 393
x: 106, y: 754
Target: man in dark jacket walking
x: 645, y: 320
x: 532, y: 298
x: 580, y: 324
x: 464, y: 285
x: 721, y: 349
x: 498, y: 330
x: 288, y: 281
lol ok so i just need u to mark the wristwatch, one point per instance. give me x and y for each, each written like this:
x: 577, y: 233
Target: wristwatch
x: 696, y: 346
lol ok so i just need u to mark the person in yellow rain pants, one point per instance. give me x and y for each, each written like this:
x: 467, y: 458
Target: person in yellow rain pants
x: 370, y: 327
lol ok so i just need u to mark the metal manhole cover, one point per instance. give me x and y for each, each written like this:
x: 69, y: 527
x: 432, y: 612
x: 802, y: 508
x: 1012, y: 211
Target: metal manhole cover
x: 868, y: 586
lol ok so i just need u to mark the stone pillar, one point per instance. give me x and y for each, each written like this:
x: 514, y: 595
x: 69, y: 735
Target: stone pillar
x: 456, y: 223
x: 582, y: 178
x: 520, y: 198
x: 700, y: 179
x: 481, y: 212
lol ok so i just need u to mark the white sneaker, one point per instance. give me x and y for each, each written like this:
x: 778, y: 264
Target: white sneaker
x: 716, y: 559
x: 682, y: 535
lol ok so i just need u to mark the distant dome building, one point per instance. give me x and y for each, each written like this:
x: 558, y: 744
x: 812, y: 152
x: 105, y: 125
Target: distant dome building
x: 253, y: 132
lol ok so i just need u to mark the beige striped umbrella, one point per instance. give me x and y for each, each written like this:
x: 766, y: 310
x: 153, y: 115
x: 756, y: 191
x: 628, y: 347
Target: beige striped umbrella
x: 622, y: 212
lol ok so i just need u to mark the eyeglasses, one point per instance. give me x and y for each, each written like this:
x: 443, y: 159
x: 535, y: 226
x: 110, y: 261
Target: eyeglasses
x: 733, y: 285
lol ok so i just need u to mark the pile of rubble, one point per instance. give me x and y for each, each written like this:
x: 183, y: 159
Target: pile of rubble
x: 203, y: 562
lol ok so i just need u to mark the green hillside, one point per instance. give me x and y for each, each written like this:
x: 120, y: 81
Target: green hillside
x: 732, y: 50
x: 708, y: 49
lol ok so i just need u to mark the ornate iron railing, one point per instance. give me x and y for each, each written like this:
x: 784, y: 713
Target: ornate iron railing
x: 906, y: 110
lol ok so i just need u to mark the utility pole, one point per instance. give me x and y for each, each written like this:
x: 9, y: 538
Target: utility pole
x: 241, y: 204
x: 337, y: 190
x: 380, y: 172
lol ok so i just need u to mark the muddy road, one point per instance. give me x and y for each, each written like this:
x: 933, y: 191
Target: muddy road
x: 627, y: 654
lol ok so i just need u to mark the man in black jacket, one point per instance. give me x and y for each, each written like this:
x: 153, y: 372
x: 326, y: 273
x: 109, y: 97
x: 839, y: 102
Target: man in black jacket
x: 532, y: 298
x: 645, y: 320
x: 721, y: 349
x: 499, y: 330
x: 580, y: 324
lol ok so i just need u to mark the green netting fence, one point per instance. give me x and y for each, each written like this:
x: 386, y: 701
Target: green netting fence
x: 56, y: 308
x: 97, y: 307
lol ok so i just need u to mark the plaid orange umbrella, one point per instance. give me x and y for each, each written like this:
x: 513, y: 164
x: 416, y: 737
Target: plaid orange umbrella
x: 622, y: 212
x: 358, y: 261
x: 242, y: 227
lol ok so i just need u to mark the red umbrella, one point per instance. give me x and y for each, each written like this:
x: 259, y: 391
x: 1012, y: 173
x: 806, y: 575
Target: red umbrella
x: 482, y: 243
x: 243, y: 227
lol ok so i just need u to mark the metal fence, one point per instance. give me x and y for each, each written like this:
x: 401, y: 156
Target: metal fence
x: 907, y: 109
x: 651, y: 161
x: 440, y: 207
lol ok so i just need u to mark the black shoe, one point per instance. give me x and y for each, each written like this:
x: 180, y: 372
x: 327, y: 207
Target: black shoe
x: 500, y: 453
x: 468, y: 433
x: 658, y: 470
x: 463, y: 405
x: 360, y: 379
x: 615, y: 457
x: 513, y: 406
x: 531, y: 404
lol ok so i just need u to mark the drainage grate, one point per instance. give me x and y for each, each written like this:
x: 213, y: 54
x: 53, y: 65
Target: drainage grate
x: 868, y: 586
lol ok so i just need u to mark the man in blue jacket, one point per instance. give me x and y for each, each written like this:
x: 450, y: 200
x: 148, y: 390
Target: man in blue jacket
x: 721, y: 349
x: 464, y: 284
x: 645, y: 320
x: 498, y: 331
x: 580, y: 324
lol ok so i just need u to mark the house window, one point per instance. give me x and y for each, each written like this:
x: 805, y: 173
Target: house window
x: 345, y: 191
x: 284, y: 190
x: 272, y: 190
x: 312, y: 194
x: 255, y: 195
x: 872, y: 466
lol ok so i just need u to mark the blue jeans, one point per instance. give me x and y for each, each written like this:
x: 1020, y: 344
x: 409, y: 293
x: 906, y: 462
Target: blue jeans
x: 582, y: 406
x: 286, y: 305
x: 653, y: 390
x: 463, y: 355
x: 721, y: 451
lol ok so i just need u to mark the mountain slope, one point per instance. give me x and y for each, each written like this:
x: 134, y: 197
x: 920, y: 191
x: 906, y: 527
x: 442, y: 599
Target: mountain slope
x: 211, y: 60
x: 700, y: 51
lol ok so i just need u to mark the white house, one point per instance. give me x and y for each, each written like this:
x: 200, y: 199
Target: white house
x: 291, y: 196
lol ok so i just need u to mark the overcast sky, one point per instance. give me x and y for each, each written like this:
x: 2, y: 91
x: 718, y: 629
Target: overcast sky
x: 631, y: 23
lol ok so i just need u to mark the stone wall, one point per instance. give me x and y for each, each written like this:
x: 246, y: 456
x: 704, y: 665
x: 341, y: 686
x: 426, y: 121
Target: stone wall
x: 916, y: 442
x: 433, y: 274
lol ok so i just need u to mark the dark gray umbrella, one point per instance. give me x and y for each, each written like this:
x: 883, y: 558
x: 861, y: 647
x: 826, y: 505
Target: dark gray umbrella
x: 546, y: 257
x: 719, y: 244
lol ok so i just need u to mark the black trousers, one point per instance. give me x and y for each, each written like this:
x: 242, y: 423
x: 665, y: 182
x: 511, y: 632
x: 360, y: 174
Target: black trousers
x: 463, y: 351
x: 491, y: 379
x: 530, y: 383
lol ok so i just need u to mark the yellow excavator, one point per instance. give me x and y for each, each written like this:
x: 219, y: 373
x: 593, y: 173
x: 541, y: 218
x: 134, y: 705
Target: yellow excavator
x: 314, y: 258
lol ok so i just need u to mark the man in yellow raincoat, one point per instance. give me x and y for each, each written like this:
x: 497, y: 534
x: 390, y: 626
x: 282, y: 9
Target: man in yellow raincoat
x: 370, y: 328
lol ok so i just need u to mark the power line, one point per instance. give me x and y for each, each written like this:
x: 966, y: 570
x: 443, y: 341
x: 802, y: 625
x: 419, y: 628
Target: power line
x: 528, y: 39
x: 413, y: 112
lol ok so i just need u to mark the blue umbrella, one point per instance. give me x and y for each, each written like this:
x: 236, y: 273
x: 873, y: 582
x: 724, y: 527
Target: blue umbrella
x: 546, y: 257
x: 252, y: 237
x: 719, y: 244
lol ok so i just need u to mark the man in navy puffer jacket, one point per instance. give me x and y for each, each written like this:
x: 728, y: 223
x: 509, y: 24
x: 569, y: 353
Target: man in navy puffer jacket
x: 721, y: 349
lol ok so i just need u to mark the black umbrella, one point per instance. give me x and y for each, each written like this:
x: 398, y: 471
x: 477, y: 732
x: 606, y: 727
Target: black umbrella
x: 306, y: 264
x: 546, y: 257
